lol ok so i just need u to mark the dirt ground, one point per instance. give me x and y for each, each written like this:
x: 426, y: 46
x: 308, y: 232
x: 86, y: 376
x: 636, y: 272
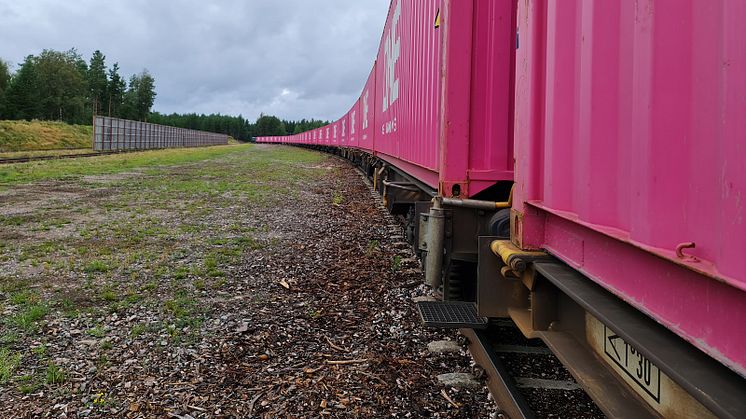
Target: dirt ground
x: 267, y: 282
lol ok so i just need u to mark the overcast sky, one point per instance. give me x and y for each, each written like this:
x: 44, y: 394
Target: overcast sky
x: 290, y: 58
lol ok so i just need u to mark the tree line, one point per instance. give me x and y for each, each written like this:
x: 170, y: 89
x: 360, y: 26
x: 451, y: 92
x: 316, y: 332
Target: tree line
x: 236, y: 126
x: 62, y: 86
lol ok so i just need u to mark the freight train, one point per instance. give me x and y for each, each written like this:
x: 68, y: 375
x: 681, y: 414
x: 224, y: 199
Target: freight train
x: 578, y: 167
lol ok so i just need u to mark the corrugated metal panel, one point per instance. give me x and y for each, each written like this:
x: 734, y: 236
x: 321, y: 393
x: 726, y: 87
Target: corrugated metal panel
x: 630, y: 122
x: 122, y: 134
x: 407, y: 102
x: 353, y: 125
x: 367, y: 114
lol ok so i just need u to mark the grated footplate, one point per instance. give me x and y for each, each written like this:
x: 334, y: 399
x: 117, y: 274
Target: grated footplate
x: 451, y: 315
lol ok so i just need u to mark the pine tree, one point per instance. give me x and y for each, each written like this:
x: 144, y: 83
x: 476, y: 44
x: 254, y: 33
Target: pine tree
x: 4, y: 81
x: 22, y: 95
x: 145, y: 95
x: 115, y: 89
x: 97, y: 82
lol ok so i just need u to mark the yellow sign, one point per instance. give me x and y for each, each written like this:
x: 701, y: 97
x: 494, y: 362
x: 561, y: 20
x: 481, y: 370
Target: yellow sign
x: 437, y: 19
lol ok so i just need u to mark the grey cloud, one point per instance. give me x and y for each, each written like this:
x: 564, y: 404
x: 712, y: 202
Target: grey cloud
x: 226, y: 56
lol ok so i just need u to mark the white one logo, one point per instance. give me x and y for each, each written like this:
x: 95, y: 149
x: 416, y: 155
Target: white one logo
x: 365, y: 110
x: 343, y: 127
x: 391, y: 56
x: 352, y: 122
x: 335, y: 132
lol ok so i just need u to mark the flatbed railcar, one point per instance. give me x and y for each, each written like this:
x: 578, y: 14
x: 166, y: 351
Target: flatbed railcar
x: 580, y: 168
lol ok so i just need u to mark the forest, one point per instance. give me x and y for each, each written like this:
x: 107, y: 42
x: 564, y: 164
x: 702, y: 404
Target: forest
x: 62, y: 86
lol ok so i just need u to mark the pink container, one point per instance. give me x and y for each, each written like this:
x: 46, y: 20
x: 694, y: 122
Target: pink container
x: 630, y: 144
x: 366, y: 115
x: 406, y: 103
x: 353, y: 126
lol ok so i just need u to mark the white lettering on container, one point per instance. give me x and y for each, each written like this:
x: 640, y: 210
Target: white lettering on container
x: 391, y: 56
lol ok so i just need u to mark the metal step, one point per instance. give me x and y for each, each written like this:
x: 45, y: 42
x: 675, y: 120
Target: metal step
x: 451, y: 315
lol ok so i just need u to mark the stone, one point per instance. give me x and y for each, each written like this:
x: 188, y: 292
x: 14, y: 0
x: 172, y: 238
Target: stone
x: 423, y: 298
x: 443, y: 347
x: 459, y: 380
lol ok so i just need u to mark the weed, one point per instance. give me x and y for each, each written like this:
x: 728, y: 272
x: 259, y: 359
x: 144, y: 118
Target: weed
x: 373, y: 246
x: 337, y: 199
x: 40, y: 350
x: 9, y: 338
x: 23, y: 298
x: 109, y: 295
x: 244, y: 242
x: 96, y: 266
x: 12, y: 284
x: 210, y: 262
x: 150, y: 286
x: 396, y: 263
x: 54, y: 374
x: 199, y: 284
x: 106, y: 345
x: 69, y: 308
x: 184, y: 311
x: 137, y: 330
x: 9, y: 361
x: 181, y: 272
x: 27, y: 384
x: 96, y: 331
x: 27, y: 319
x: 313, y: 313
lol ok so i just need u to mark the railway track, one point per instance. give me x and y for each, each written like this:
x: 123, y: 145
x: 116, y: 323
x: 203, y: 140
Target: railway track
x: 527, y: 377
x: 26, y: 159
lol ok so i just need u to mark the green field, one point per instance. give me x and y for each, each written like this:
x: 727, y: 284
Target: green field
x: 158, y: 231
x: 108, y: 164
x: 17, y: 136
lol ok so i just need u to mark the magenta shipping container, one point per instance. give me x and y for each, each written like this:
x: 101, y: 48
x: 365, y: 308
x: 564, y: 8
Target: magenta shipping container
x: 631, y: 156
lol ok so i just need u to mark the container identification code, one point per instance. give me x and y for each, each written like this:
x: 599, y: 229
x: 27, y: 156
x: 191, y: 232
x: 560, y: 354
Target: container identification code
x: 633, y: 363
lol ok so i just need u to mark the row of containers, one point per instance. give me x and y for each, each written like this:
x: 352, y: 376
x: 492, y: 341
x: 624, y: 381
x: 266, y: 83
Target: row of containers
x: 123, y: 134
x: 627, y: 124
x: 404, y: 106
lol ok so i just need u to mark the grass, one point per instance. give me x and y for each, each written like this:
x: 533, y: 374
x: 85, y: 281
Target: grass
x: 9, y: 361
x: 29, y: 316
x: 150, y: 239
x: 96, y: 266
x: 111, y: 164
x: 373, y: 246
x: 396, y: 263
x: 54, y: 374
x: 138, y: 329
x: 109, y: 295
x: 96, y: 332
x: 27, y: 384
x: 43, y: 135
